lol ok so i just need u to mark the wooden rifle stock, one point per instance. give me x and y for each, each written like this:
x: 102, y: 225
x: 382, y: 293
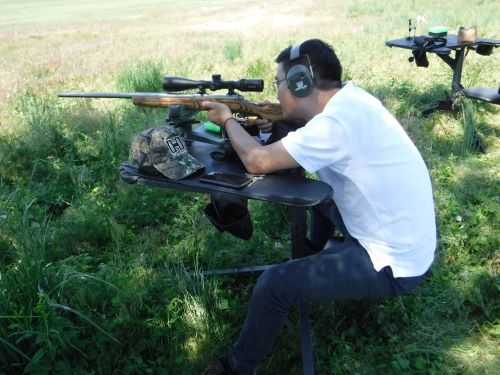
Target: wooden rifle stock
x: 236, y: 105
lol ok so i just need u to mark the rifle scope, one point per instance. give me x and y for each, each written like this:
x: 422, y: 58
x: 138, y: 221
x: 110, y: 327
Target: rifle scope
x: 180, y: 84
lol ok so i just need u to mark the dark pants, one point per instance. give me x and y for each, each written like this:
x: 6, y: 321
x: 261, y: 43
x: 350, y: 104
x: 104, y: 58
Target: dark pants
x: 343, y: 271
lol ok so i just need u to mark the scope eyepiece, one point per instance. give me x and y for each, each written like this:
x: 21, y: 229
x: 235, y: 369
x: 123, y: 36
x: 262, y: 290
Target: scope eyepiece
x: 181, y: 84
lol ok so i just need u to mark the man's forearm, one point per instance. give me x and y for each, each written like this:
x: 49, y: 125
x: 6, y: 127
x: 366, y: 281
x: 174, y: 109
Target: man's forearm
x: 257, y: 158
x: 244, y: 144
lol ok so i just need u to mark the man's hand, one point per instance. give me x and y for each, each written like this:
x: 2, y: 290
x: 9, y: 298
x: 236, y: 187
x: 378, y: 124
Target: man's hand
x: 265, y: 126
x: 218, y: 113
x: 258, y: 159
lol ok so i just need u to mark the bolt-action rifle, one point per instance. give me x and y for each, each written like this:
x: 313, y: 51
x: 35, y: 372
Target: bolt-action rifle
x: 178, y: 103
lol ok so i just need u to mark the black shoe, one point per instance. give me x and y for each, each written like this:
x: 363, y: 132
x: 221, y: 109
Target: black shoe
x: 219, y: 366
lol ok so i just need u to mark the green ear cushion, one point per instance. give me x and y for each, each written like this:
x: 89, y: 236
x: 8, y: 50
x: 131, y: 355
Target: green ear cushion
x: 299, y: 80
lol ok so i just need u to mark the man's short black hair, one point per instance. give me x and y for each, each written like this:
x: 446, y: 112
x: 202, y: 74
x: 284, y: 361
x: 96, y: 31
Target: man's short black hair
x: 324, y: 62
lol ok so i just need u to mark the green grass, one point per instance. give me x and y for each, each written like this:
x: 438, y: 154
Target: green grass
x: 29, y: 13
x: 98, y: 276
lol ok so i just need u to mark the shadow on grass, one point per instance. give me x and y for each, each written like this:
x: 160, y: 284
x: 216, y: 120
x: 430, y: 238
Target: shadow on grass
x: 459, y: 131
x: 405, y: 97
x: 172, y: 326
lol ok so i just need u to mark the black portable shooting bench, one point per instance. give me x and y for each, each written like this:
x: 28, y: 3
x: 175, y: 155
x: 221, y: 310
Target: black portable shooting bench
x: 296, y: 192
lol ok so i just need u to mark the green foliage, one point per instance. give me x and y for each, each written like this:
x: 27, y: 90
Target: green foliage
x: 232, y: 50
x: 472, y: 141
x: 364, y: 8
x: 258, y: 68
x: 142, y: 76
x: 98, y: 276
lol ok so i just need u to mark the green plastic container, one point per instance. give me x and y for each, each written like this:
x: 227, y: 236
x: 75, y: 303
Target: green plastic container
x: 438, y: 31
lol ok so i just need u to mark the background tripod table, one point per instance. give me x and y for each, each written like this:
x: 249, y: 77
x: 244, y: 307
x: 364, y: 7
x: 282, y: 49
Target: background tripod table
x: 482, y: 46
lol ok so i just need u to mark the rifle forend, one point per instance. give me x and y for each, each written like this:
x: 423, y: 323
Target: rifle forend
x: 236, y: 103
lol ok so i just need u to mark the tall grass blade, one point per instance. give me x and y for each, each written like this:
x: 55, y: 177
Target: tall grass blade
x: 12, y: 347
x: 83, y: 317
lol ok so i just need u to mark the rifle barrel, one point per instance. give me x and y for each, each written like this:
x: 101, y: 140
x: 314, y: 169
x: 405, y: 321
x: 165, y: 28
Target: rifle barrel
x: 115, y: 95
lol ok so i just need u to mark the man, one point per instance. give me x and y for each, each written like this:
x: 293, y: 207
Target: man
x: 381, y: 187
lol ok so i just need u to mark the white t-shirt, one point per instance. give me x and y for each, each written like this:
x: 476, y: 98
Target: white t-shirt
x: 380, y: 183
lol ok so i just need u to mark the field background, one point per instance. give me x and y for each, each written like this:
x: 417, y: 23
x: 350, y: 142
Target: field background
x: 96, y: 276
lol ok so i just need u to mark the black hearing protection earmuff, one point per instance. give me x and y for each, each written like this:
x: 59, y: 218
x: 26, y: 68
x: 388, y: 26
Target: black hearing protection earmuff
x: 299, y: 78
